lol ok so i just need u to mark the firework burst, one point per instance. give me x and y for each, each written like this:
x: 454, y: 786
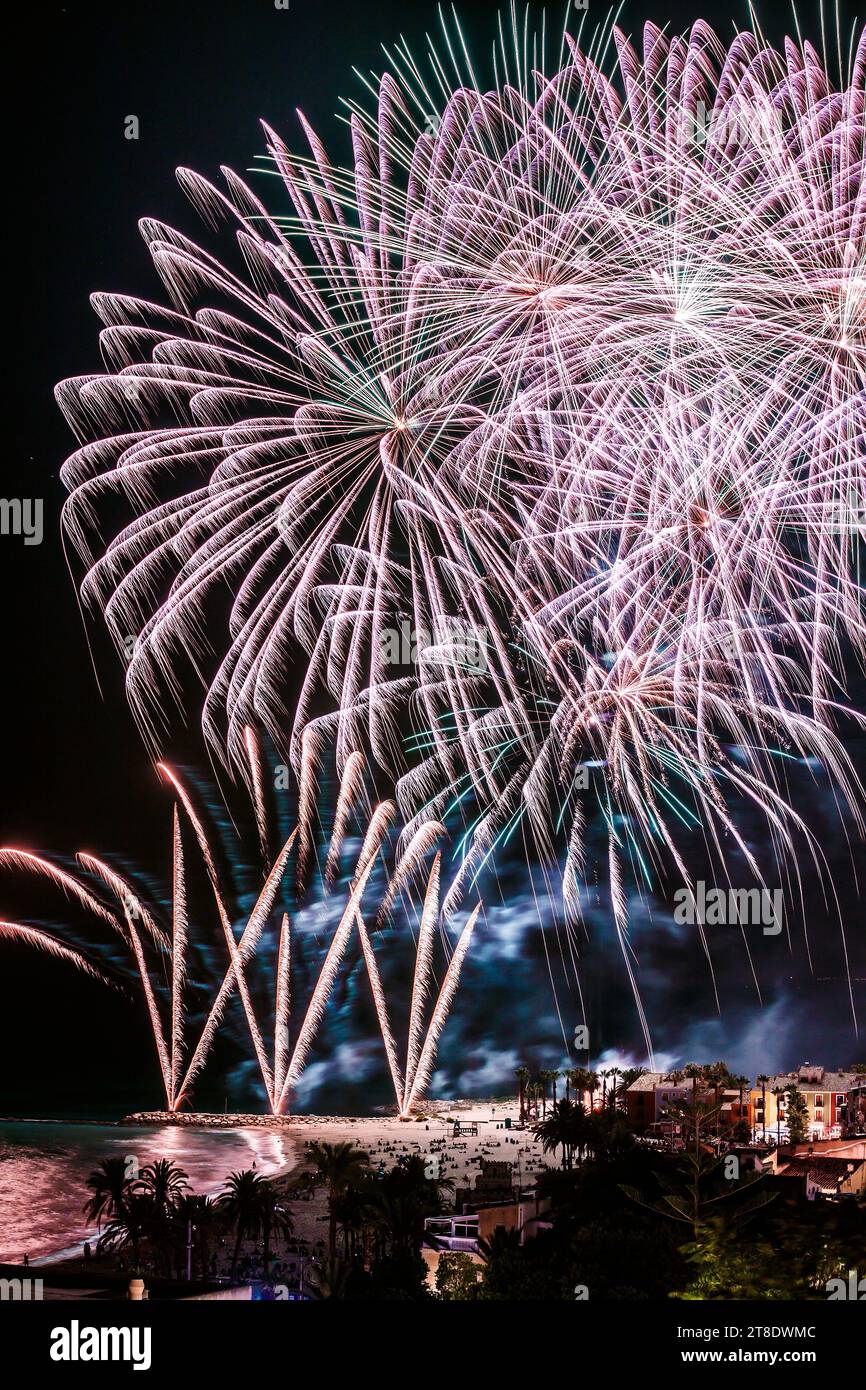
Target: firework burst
x: 573, y: 366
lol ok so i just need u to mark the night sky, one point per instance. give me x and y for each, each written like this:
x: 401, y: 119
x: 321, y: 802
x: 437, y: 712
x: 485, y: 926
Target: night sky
x: 199, y: 75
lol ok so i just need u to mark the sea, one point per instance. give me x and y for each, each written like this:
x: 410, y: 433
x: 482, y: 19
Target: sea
x: 44, y: 1166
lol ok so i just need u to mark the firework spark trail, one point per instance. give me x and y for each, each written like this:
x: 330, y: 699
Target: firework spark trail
x: 162, y: 1051
x: 44, y: 941
x: 351, y: 787
x: 132, y: 909
x: 130, y: 902
x: 578, y: 362
x: 440, y: 1013
x: 283, y: 1005
x: 254, y: 760
x: 373, y: 840
x: 306, y: 803
x: 421, y: 977
x: 33, y: 863
x: 179, y: 940
x: 245, y: 950
x: 381, y: 1005
x: 425, y: 838
x: 235, y: 955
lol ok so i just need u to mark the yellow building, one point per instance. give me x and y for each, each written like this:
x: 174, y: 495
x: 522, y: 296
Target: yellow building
x: 825, y: 1094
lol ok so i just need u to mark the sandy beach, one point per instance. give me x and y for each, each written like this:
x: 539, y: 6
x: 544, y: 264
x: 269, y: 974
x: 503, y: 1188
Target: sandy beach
x: 277, y: 1149
x: 386, y: 1138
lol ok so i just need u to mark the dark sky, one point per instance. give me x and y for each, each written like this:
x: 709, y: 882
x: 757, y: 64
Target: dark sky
x: 199, y: 75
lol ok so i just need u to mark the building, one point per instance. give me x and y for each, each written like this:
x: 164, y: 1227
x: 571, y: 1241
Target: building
x: 494, y: 1184
x: 827, y: 1177
x: 525, y: 1214
x: 649, y: 1096
x: 857, y: 1106
x: 649, y: 1100
x: 826, y: 1094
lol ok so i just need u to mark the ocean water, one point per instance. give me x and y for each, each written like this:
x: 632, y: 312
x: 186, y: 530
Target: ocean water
x: 44, y: 1166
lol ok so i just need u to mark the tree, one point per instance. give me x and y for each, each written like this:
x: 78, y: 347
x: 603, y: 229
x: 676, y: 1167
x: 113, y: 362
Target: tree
x: 543, y: 1078
x: 109, y: 1184
x: 694, y: 1072
x: 718, y: 1075
x: 763, y: 1082
x: 163, y: 1182
x: 614, y: 1075
x: 779, y: 1092
x: 128, y: 1226
x: 741, y: 1082
x: 274, y: 1220
x: 328, y: 1278
x: 336, y: 1167
x: 522, y: 1074
x: 456, y: 1275
x: 798, y: 1114
x: 206, y: 1218
x: 725, y: 1267
x: 693, y: 1194
x: 240, y: 1201
x: 566, y: 1129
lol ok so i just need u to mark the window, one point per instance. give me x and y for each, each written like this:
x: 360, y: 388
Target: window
x: 819, y: 1102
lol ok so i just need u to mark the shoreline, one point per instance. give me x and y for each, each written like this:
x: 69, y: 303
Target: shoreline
x: 385, y: 1138
x: 204, y: 1119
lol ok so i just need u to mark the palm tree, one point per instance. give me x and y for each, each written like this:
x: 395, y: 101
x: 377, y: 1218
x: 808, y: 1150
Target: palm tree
x: 206, y: 1217
x: 544, y: 1077
x: 327, y: 1278
x: 763, y: 1082
x: 630, y: 1075
x: 591, y: 1078
x: 741, y: 1082
x: 554, y: 1077
x: 566, y: 1129
x: 718, y: 1075
x: 499, y: 1245
x: 129, y: 1225
x: 273, y: 1219
x: 694, y: 1072
x: 614, y: 1074
x: 337, y: 1167
x: 522, y: 1074
x: 163, y: 1182
x: 109, y: 1184
x: 778, y: 1092
x: 240, y: 1201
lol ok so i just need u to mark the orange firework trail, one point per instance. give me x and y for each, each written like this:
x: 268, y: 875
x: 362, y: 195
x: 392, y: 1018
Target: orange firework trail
x: 137, y: 926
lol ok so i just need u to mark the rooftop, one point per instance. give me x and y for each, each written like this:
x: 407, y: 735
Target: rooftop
x: 827, y: 1173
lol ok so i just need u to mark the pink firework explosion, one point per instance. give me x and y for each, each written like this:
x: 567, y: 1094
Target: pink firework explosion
x: 567, y: 379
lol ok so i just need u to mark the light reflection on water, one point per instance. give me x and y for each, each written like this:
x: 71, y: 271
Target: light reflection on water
x: 44, y: 1170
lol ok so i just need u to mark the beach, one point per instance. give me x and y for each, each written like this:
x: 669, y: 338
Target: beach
x: 44, y: 1167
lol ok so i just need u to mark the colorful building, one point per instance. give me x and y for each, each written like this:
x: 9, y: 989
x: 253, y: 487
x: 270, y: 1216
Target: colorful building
x: 826, y: 1094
